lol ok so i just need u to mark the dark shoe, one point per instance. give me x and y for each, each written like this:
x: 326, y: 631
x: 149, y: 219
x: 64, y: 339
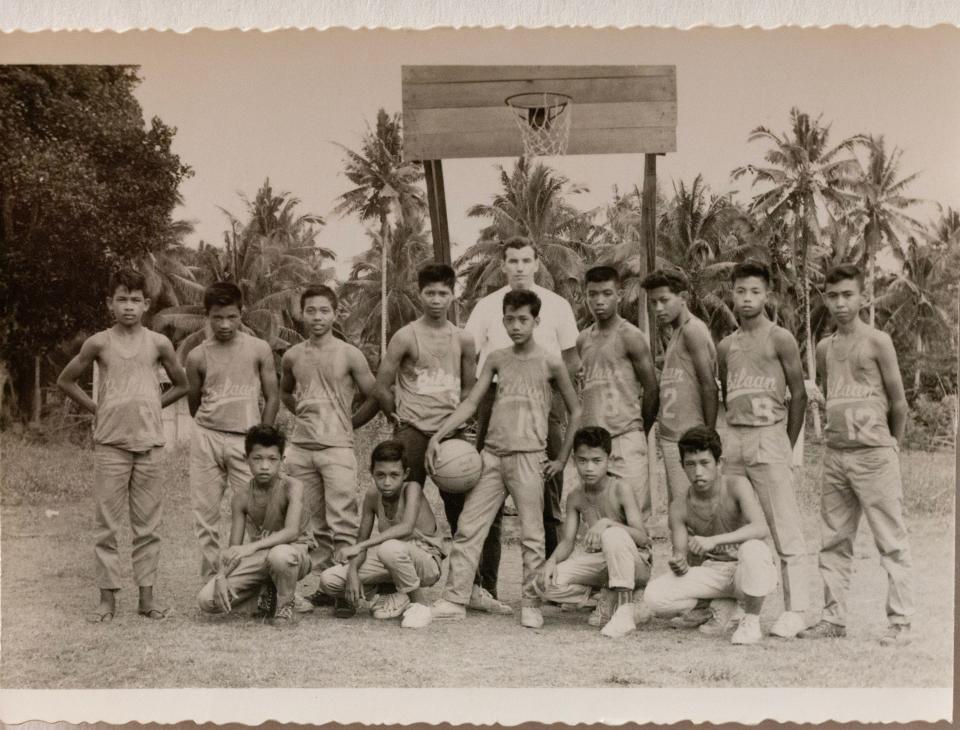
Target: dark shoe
x: 693, y: 618
x: 823, y: 630
x: 342, y: 608
x: 897, y: 635
x: 266, y: 602
x: 321, y: 599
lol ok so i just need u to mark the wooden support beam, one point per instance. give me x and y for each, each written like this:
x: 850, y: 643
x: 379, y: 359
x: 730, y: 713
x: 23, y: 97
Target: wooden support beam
x: 439, y: 229
x: 648, y: 254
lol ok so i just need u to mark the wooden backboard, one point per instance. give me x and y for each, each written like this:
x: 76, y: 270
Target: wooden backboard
x: 460, y: 111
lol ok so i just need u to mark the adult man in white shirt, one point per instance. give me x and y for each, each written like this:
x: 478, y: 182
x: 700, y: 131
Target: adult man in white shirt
x: 556, y: 332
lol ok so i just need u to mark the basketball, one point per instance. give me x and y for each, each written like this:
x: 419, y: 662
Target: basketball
x: 457, y: 466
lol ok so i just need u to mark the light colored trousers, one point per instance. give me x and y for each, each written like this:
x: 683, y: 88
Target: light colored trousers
x: 329, y: 477
x: 619, y: 564
x: 764, y: 456
x: 752, y: 574
x: 628, y: 461
x: 864, y: 481
x: 127, y: 482
x: 401, y: 562
x: 283, y: 565
x: 217, y: 460
x: 520, y: 474
x: 677, y: 482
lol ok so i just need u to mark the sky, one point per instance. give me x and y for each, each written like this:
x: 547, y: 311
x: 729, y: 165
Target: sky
x: 248, y: 106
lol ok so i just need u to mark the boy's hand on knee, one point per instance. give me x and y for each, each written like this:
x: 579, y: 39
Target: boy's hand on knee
x: 223, y: 594
x: 700, y: 545
x: 354, y: 590
x: 230, y: 558
x: 678, y: 564
x: 548, y: 575
x: 345, y: 554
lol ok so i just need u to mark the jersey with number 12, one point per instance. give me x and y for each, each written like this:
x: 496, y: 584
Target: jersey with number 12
x: 857, y: 404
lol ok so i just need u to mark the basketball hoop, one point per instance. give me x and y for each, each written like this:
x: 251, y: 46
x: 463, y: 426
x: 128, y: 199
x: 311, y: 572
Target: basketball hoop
x: 544, y: 122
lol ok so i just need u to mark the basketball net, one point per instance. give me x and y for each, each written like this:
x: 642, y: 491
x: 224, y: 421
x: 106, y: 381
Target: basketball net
x: 544, y: 122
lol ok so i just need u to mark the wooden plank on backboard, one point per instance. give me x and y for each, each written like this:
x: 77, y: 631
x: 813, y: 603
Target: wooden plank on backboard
x: 507, y: 143
x: 459, y: 74
x: 583, y: 91
x: 584, y: 116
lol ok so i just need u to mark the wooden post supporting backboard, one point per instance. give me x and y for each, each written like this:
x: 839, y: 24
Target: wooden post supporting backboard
x: 648, y: 231
x: 439, y: 230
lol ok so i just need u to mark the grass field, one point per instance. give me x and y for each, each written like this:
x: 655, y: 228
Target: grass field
x: 47, y: 587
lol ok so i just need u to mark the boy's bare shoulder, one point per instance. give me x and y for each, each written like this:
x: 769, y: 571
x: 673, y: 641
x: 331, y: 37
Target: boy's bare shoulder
x: 292, y: 483
x: 295, y: 352
x: 575, y: 498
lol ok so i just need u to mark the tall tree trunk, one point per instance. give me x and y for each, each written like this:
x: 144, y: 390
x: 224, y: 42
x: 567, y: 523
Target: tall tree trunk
x: 384, y: 245
x: 37, y: 393
x: 871, y: 236
x: 919, y: 368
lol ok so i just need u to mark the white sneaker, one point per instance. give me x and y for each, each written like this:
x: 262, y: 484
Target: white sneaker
x: 748, y: 632
x: 481, y: 600
x: 788, y: 625
x: 442, y: 608
x: 622, y: 622
x: 604, y: 610
x: 723, y: 610
x: 531, y: 617
x: 392, y: 606
x: 416, y: 616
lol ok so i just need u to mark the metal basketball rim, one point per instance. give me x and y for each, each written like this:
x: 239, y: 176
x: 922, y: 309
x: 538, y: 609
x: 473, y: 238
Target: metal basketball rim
x: 544, y: 121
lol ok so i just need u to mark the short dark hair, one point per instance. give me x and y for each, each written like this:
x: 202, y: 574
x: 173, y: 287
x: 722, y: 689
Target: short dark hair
x: 673, y: 280
x: 222, y: 294
x: 518, y: 242
x: 130, y: 279
x: 516, y: 298
x: 844, y: 272
x: 700, y: 438
x: 748, y: 268
x: 437, y: 274
x: 264, y: 435
x: 601, y: 274
x: 390, y: 450
x: 594, y: 437
x: 319, y: 290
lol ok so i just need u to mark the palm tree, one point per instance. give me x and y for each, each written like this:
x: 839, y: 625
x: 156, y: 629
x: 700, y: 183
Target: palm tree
x: 170, y: 270
x: 531, y: 203
x: 881, y: 207
x: 385, y: 186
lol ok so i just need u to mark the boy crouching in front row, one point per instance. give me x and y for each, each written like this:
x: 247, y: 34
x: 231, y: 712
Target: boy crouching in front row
x: 407, y: 550
x: 616, y: 548
x: 278, y: 555
x: 721, y: 525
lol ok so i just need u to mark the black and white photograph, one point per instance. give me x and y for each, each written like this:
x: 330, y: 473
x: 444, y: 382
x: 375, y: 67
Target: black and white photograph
x: 559, y: 359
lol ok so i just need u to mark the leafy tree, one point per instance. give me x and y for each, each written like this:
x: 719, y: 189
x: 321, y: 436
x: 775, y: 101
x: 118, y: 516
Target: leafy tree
x: 85, y: 186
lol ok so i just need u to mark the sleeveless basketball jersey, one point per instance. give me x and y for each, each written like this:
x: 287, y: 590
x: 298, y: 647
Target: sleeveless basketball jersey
x: 230, y: 396
x: 756, y: 385
x: 681, y: 406
x: 129, y: 415
x: 518, y: 421
x: 275, y: 514
x: 324, y: 399
x: 725, y: 519
x: 857, y: 404
x: 428, y: 390
x: 610, y: 391
x: 430, y: 542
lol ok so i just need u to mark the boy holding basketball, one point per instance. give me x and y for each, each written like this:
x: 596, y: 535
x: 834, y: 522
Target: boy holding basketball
x: 616, y: 548
x: 616, y: 369
x: 758, y: 364
x: 128, y: 436
x: 318, y: 382
x: 866, y: 417
x: 406, y: 551
x: 514, y: 454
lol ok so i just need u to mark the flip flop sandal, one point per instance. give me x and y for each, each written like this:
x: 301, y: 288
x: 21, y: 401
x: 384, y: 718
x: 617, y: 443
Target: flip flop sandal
x: 100, y: 617
x: 156, y: 614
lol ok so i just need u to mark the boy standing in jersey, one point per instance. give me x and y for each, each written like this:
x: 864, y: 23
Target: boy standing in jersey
x: 718, y: 530
x: 616, y: 367
x: 757, y: 364
x: 866, y: 416
x: 688, y: 386
x: 227, y: 373
x: 616, y: 553
x: 514, y: 455
x: 406, y: 551
x: 270, y: 509
x: 128, y: 436
x: 319, y: 379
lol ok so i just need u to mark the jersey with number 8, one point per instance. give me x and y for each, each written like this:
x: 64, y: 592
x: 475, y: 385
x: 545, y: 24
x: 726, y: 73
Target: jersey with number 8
x: 756, y: 385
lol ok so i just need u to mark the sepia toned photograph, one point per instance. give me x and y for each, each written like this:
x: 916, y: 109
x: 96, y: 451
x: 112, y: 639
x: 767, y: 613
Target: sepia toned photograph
x: 450, y: 359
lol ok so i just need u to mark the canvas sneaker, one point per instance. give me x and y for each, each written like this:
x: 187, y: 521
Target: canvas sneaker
x: 266, y: 602
x: 416, y: 616
x: 392, y: 605
x: 603, y: 612
x: 442, y: 608
x: 284, y: 615
x: 301, y: 604
x: 481, y: 600
x: 622, y: 622
x: 897, y: 635
x: 641, y: 613
x: 788, y: 625
x: 823, y: 630
x: 748, y: 632
x: 721, y: 620
x: 531, y: 617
